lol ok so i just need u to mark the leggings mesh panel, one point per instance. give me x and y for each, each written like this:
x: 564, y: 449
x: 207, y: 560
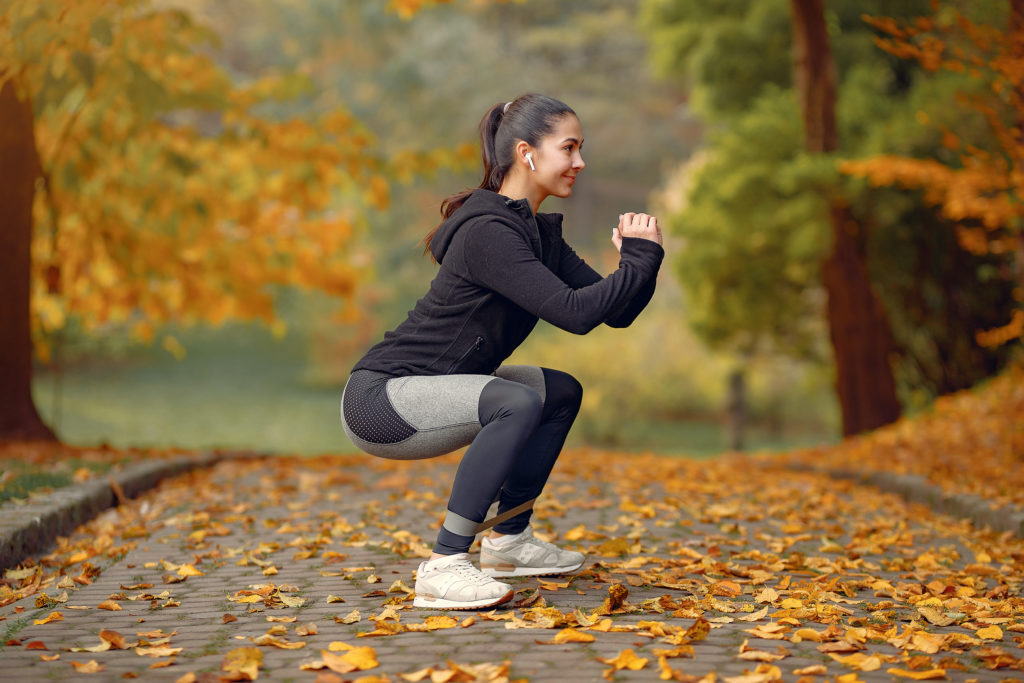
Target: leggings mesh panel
x: 369, y: 413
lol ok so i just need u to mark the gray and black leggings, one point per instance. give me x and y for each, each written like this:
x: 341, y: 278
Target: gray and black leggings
x: 516, y: 421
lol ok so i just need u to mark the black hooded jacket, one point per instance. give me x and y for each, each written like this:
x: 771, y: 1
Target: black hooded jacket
x: 501, y: 269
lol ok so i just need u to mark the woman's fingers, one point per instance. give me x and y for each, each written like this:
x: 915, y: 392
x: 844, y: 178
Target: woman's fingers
x: 642, y: 225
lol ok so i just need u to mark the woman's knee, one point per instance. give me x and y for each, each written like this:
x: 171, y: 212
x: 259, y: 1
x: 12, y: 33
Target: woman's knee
x: 562, y: 390
x: 505, y: 399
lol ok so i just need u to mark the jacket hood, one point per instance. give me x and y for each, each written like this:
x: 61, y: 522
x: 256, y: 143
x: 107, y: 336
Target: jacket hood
x: 486, y: 203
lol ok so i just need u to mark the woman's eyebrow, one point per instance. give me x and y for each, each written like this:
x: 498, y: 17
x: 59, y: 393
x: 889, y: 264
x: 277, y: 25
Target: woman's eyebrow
x: 574, y: 140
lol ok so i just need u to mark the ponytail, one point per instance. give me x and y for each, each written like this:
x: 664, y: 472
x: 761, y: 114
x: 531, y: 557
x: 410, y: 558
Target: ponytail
x: 529, y: 118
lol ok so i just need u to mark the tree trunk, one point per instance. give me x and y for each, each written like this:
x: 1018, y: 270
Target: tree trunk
x: 860, y: 332
x: 19, y: 169
x: 1016, y: 47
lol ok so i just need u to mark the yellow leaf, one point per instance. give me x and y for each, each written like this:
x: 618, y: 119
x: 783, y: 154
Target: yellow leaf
x: 162, y: 651
x: 438, y: 622
x: 929, y: 675
x: 350, y: 618
x: 813, y: 670
x: 188, y: 570
x: 268, y: 639
x: 571, y: 635
x: 806, y: 634
x: 791, y: 603
x: 627, y: 659
x: 53, y: 616
x: 990, y: 633
x: 243, y: 664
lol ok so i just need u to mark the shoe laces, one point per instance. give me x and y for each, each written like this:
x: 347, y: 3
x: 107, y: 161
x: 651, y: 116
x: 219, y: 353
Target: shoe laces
x: 464, y: 568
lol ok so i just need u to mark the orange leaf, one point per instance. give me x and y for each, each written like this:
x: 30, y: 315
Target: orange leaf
x: 36, y: 645
x: 53, y: 616
x: 115, y: 639
x: 90, y: 667
x: 109, y: 605
x: 929, y: 675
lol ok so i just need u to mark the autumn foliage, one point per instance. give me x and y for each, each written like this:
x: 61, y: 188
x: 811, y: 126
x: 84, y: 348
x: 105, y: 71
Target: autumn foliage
x: 166, y: 195
x: 982, y: 188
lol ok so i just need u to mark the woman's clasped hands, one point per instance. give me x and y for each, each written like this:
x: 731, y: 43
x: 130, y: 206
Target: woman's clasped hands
x: 640, y: 225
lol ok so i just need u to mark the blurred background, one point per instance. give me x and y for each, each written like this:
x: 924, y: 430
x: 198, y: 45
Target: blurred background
x: 233, y: 195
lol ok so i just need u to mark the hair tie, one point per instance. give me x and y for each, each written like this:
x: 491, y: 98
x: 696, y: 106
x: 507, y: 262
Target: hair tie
x: 507, y: 105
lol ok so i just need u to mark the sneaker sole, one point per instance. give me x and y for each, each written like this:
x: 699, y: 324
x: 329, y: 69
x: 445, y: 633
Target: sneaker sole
x: 530, y: 571
x: 441, y: 603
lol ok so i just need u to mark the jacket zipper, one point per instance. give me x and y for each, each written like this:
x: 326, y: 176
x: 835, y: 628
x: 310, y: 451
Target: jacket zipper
x: 472, y: 349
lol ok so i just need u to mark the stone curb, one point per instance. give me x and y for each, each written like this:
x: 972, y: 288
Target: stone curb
x: 915, y: 488
x: 30, y: 528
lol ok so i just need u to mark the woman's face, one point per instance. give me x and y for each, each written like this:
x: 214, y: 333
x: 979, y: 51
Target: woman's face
x: 558, y: 158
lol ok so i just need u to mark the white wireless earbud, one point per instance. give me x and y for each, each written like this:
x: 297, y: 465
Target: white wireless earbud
x: 529, y: 159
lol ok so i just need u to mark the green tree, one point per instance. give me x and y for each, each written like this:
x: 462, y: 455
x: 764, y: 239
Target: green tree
x: 756, y: 220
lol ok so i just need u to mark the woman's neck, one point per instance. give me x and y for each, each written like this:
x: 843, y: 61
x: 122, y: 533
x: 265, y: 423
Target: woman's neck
x: 518, y: 187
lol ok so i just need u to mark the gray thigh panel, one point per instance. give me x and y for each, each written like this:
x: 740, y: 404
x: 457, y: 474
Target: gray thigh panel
x: 438, y: 401
x: 530, y: 375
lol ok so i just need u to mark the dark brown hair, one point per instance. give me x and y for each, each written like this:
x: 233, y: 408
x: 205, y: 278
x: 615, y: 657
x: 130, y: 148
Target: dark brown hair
x: 528, y: 117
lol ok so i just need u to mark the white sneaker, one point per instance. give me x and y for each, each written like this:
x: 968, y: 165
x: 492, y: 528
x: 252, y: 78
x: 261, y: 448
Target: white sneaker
x: 527, y: 555
x: 453, y: 582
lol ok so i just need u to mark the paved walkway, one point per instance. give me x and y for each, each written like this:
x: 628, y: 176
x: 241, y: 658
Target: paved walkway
x: 787, y: 574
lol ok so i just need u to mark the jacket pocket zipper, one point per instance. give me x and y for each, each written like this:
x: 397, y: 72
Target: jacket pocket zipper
x: 472, y: 349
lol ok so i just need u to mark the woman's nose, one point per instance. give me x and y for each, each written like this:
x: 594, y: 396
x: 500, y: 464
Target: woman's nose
x: 578, y: 162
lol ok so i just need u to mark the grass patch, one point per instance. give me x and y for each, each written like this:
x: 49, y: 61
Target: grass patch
x: 240, y: 388
x: 18, y: 478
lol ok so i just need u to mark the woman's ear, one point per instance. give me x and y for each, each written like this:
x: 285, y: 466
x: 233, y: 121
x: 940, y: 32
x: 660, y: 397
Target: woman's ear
x: 522, y: 149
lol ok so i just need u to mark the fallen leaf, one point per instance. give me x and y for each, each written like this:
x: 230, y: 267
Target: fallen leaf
x: 187, y: 570
x: 309, y: 629
x: 109, y: 605
x: 568, y: 635
x: 626, y: 659
x: 228, y: 618
x: 990, y: 633
x: 90, y: 667
x: 751, y: 655
x: 859, y: 661
x: 52, y: 616
x: 116, y: 640
x: 930, y: 675
x: 350, y: 618
x: 267, y: 639
x: 813, y: 670
x: 159, y: 651
x: 242, y: 664
x: 755, y: 616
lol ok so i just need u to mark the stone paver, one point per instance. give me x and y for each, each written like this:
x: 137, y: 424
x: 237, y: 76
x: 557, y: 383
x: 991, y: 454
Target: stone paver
x: 352, y: 527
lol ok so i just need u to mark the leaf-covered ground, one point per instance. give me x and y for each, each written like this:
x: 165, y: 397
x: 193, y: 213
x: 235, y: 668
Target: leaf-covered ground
x: 736, y: 569
x: 969, y: 442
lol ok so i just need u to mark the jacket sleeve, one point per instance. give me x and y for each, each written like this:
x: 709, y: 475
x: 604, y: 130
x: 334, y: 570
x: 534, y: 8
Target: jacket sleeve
x: 499, y: 258
x: 577, y: 273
